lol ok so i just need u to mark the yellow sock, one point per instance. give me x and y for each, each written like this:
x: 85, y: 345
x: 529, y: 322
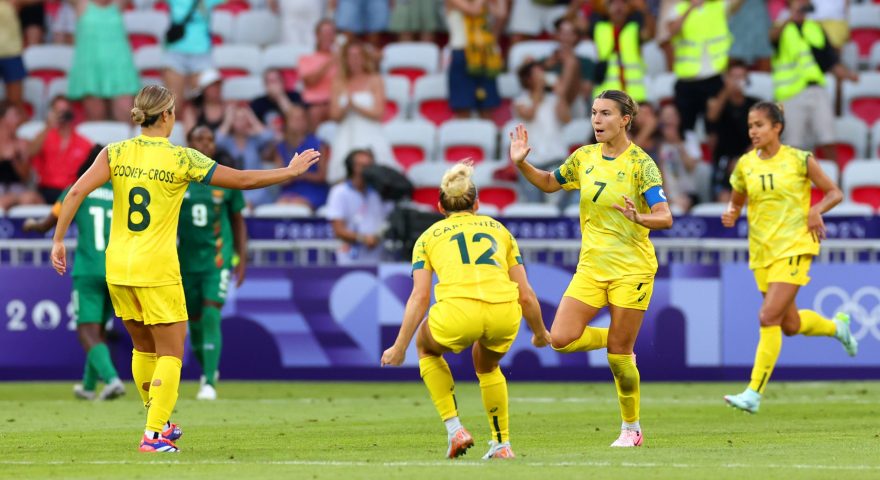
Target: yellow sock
x: 593, y: 338
x: 626, y: 378
x: 769, y: 345
x: 435, y: 372
x: 493, y: 386
x: 163, y: 392
x: 142, y: 367
x: 815, y: 325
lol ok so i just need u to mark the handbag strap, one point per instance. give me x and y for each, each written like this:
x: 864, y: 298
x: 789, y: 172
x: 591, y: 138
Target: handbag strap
x: 192, y: 11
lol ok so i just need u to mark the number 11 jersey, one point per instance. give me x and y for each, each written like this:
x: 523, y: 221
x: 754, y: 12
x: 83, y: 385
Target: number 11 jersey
x: 149, y: 177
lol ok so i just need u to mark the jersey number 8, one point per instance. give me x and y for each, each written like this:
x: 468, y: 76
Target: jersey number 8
x: 138, y: 201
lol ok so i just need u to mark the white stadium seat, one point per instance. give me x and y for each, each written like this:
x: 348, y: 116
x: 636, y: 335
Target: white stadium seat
x: 531, y: 210
x: 409, y: 58
x: 831, y: 170
x: 853, y: 132
x: 29, y: 130
x: 860, y: 174
x: 35, y: 96
x: 237, y: 60
x: 242, y: 88
x: 577, y: 133
x: 104, y: 133
x: 326, y: 131
x: 760, y: 86
x: 29, y: 211
x: 849, y: 209
x: 534, y: 49
x: 150, y: 61
x: 661, y: 87
x: 474, y: 138
x: 148, y: 23
x: 586, y: 49
x: 222, y: 25
x: 874, y: 152
x: 396, y: 92
x: 412, y: 141
x: 427, y: 174
x: 431, y: 98
x: 256, y: 27
x: 655, y: 59
x: 282, y: 57
x: 54, y: 58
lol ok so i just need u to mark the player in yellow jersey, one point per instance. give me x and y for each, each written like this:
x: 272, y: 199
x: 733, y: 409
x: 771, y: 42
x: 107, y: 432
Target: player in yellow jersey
x: 482, y: 294
x: 617, y: 262
x: 784, y: 235
x: 149, y: 176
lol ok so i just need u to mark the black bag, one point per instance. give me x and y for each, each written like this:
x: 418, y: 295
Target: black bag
x: 405, y: 225
x: 176, y: 31
x: 391, y: 185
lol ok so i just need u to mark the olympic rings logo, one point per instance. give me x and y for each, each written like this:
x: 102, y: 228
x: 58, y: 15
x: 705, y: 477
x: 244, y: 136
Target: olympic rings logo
x: 865, y: 317
x: 688, y: 227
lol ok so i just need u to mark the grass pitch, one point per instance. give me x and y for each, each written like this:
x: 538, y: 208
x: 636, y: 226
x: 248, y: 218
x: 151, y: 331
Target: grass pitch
x: 390, y: 430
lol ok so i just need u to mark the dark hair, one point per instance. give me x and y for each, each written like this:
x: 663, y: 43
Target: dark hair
x: 736, y: 63
x: 524, y: 73
x: 192, y: 131
x: 774, y: 112
x: 349, y: 160
x: 625, y: 104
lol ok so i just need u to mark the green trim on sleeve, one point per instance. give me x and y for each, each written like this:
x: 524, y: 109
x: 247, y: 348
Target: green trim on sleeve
x: 207, y: 179
x: 418, y: 265
x: 559, y: 177
x: 519, y: 260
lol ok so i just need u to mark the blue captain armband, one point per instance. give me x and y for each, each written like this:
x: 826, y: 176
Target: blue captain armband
x: 655, y: 195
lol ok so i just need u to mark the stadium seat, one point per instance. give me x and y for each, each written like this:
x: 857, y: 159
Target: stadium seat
x: 410, y: 59
x: 531, y: 210
x: 411, y: 141
x: 861, y: 182
x: 48, y: 62
x: 862, y: 98
x: 431, y: 98
x: 504, y: 147
x: 586, y: 49
x: 34, y: 98
x: 661, y: 88
x: 534, y: 49
x: 326, y: 131
x: 500, y: 194
x: 236, y: 60
x: 58, y: 87
x: 874, y: 151
x: 234, y: 7
x: 508, y: 89
x: 145, y: 27
x: 396, y: 97
x: 760, y: 86
x: 256, y: 27
x: 426, y: 178
x: 714, y: 209
x: 285, y: 210
x: 864, y: 27
x: 29, y: 130
x: 850, y: 139
x: 874, y: 57
x: 655, y: 59
x: 577, y: 133
x: 149, y: 62
x: 489, y: 210
x: 242, y: 88
x: 849, y: 56
x: 284, y: 58
x: 833, y: 171
x: 29, y: 211
x: 468, y: 138
x: 222, y: 26
x: 104, y: 133
x: 849, y: 209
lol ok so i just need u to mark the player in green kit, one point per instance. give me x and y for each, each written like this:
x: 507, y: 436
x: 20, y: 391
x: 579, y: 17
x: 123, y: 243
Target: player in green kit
x: 212, y: 234
x: 91, y: 299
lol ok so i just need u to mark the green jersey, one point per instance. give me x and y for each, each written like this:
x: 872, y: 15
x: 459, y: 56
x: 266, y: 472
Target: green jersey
x: 205, y: 230
x: 93, y: 230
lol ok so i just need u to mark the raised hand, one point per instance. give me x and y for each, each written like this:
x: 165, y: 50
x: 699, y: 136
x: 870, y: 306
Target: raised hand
x: 301, y: 162
x: 629, y: 210
x: 519, y: 144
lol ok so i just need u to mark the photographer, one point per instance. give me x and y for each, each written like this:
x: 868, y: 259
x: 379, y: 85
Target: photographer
x: 58, y: 151
x: 802, y: 56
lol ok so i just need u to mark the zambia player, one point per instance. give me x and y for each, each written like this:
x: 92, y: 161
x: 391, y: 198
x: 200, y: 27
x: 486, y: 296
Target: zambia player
x: 784, y: 235
x: 210, y: 226
x: 91, y: 300
x: 617, y: 262
x: 482, y: 295
x: 149, y: 177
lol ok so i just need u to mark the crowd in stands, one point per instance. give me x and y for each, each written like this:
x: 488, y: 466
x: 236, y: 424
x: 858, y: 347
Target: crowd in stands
x: 418, y: 83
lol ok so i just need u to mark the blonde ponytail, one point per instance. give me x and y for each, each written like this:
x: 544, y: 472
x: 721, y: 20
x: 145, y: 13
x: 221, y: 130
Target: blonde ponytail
x: 457, y: 189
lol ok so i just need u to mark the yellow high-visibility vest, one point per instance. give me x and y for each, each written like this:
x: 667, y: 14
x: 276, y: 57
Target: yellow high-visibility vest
x: 630, y: 59
x: 705, y: 29
x: 794, y: 66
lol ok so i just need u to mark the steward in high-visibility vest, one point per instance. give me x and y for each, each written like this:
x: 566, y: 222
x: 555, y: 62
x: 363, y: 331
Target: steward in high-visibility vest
x: 794, y: 65
x: 703, y: 30
x: 621, y: 51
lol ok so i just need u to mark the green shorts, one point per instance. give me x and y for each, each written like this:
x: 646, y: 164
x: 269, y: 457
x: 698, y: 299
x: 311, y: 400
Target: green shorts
x: 207, y: 286
x: 91, y: 299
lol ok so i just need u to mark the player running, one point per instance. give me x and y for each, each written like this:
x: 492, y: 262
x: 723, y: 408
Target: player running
x: 91, y: 300
x: 617, y: 262
x: 784, y: 236
x: 482, y: 294
x: 149, y: 177
x: 210, y: 226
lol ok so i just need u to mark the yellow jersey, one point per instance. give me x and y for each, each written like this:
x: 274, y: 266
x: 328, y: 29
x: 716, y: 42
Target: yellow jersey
x: 778, y: 190
x: 471, y: 255
x: 149, y: 177
x: 612, y: 247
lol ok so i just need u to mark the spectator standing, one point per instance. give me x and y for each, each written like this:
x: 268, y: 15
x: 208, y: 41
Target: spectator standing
x: 310, y: 188
x: 412, y: 17
x: 61, y: 19
x: 618, y: 38
x: 189, y: 55
x: 701, y: 42
x: 727, y: 116
x: 572, y: 76
x: 530, y: 18
x: 475, y: 56
x: 318, y: 71
x: 32, y: 14
x: 748, y: 25
x: 103, y: 74
x: 357, y: 213
x: 366, y: 18
x: 15, y: 170
x: 248, y: 142
x: 271, y: 107
x: 11, y: 66
x: 298, y: 20
x: 686, y: 177
x: 358, y: 105
x: 58, y: 151
x: 802, y: 55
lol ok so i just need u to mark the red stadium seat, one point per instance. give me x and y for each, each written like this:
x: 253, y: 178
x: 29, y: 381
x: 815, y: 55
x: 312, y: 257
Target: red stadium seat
x: 48, y: 62
x: 431, y: 98
x: 437, y: 111
x: 867, y: 195
x: 459, y: 139
x: 411, y: 73
x: 428, y: 196
x: 390, y: 111
x: 397, y: 97
x: 412, y: 60
x: 138, y: 40
x: 864, y: 23
x: 499, y: 195
x: 412, y: 143
x: 408, y: 155
x: 866, y: 108
x: 458, y: 152
x: 234, y: 6
x: 503, y: 113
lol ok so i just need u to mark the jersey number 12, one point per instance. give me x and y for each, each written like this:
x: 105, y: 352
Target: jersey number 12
x: 486, y: 257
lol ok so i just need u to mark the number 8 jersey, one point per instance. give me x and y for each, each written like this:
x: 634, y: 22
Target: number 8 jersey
x: 149, y: 177
x: 471, y: 255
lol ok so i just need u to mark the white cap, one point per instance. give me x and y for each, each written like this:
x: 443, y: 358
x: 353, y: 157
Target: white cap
x: 209, y: 77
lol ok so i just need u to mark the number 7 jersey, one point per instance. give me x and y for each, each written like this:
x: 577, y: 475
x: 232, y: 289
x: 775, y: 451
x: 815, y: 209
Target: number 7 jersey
x: 471, y: 255
x: 149, y: 177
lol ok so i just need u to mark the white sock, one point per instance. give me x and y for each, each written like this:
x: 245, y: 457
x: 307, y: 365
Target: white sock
x: 635, y: 427
x: 151, y: 434
x: 452, y: 425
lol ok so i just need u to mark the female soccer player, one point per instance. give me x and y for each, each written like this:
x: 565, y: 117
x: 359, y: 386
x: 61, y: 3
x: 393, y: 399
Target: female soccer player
x: 149, y: 177
x: 617, y: 262
x: 211, y: 225
x: 784, y: 235
x: 482, y: 294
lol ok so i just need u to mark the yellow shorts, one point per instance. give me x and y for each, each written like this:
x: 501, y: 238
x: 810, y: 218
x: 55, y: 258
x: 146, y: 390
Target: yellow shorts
x: 792, y: 270
x: 151, y: 305
x: 632, y: 291
x: 457, y: 323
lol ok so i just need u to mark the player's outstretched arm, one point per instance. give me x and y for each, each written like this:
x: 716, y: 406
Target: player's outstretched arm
x: 415, y: 310
x: 519, y: 150
x: 530, y: 307
x: 98, y: 174
x: 832, y: 197
x: 250, y: 179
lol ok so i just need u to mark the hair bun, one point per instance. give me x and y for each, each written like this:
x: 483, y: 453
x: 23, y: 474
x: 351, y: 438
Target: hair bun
x: 138, y: 116
x: 457, y: 180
